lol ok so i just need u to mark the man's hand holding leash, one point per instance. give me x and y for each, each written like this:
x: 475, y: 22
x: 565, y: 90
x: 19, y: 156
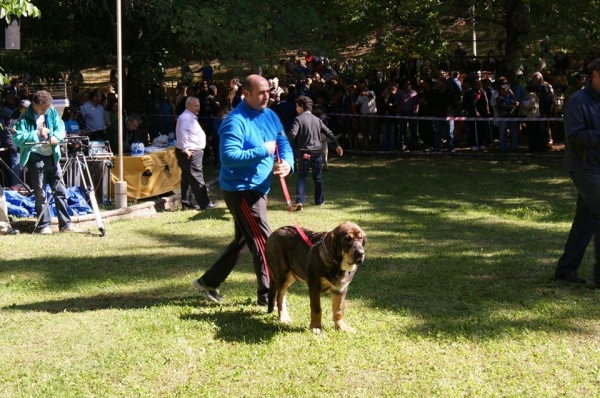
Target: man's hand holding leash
x: 281, y: 168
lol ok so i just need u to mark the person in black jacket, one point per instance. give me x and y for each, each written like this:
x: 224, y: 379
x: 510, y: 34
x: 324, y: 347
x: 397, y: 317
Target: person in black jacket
x: 6, y: 147
x: 582, y: 162
x: 306, y: 131
x: 444, y: 104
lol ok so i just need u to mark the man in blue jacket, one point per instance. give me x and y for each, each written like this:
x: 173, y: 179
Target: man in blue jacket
x: 37, y: 133
x: 249, y: 138
x: 582, y: 161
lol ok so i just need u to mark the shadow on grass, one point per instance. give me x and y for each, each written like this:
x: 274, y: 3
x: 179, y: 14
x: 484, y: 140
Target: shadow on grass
x: 122, y: 301
x: 238, y: 325
x: 482, y: 275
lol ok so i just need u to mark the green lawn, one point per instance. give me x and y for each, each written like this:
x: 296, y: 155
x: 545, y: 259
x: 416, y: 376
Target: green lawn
x: 456, y: 297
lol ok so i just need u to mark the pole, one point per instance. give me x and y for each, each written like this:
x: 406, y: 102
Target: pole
x: 474, y: 34
x: 120, y: 186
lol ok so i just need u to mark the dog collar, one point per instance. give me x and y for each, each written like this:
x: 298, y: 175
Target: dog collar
x: 322, y: 243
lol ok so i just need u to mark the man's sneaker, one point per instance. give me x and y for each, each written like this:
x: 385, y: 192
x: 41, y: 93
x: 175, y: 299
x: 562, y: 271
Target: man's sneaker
x: 474, y: 148
x: 298, y: 206
x: 70, y: 228
x: 45, y: 231
x: 211, y: 294
x: 211, y: 205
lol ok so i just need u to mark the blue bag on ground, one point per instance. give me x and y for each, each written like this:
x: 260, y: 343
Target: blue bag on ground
x: 23, y: 206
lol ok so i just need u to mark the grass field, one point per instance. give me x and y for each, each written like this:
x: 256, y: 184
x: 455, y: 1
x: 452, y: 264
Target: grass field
x: 456, y: 297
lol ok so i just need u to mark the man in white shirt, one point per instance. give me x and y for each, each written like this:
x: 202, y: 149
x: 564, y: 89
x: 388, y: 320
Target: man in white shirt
x: 368, y: 108
x: 189, y: 150
x: 94, y: 116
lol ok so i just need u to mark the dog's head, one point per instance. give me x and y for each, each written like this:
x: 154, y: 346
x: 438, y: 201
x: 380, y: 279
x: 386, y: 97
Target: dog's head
x: 347, y: 241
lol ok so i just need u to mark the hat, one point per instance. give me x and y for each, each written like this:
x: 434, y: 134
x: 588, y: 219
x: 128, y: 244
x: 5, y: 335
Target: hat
x: 459, y: 44
x: 25, y: 103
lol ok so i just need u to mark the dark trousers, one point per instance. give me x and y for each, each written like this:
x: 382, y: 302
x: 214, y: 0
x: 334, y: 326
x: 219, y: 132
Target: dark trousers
x: 479, y: 133
x: 249, y: 211
x: 585, y: 225
x: 43, y: 170
x: 413, y: 125
x: 192, y: 178
x: 314, y: 163
x: 426, y: 132
x: 533, y: 129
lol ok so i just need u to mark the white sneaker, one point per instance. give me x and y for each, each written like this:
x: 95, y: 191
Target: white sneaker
x: 45, y: 231
x: 473, y: 148
x: 298, y: 206
x: 482, y: 147
x: 70, y: 228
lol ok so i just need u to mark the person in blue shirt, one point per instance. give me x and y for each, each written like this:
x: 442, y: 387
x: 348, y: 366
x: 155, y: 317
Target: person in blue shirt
x: 69, y: 118
x: 250, y: 136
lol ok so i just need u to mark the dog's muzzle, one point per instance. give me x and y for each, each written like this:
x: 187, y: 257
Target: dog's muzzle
x: 359, y: 255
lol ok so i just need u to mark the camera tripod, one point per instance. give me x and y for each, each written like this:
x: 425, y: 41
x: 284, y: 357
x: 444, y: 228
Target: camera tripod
x: 7, y: 167
x: 77, y: 160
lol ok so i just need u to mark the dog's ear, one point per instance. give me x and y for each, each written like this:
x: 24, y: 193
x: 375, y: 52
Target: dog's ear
x: 332, y: 240
x: 364, y: 239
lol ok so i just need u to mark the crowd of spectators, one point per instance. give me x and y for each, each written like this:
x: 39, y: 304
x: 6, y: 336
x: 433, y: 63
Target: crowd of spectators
x: 365, y: 112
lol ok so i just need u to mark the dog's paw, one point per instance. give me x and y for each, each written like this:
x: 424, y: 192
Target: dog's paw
x: 344, y: 328
x: 316, y: 331
x: 285, y: 318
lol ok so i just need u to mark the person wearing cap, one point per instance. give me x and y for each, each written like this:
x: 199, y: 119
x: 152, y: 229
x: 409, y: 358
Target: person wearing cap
x: 23, y: 104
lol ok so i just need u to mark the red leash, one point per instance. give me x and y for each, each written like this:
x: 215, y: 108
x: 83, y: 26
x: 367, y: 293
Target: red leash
x: 286, y: 194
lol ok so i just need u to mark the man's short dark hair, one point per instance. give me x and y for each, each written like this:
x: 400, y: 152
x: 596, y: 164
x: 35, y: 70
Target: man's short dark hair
x: 92, y: 94
x: 594, y: 66
x: 304, y: 102
x: 134, y: 117
x: 42, y: 97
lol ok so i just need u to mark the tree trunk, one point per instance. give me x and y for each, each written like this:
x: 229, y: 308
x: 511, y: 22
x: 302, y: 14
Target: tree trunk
x: 518, y: 24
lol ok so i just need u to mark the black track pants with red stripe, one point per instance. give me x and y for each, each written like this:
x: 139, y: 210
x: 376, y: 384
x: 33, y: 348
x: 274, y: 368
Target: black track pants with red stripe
x: 249, y: 210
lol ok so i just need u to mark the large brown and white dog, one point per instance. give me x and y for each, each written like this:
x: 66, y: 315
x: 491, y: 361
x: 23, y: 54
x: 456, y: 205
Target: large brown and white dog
x: 328, y: 266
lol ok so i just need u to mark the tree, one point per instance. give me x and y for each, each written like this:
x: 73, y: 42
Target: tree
x: 18, y: 8
x: 388, y: 32
x: 10, y: 9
